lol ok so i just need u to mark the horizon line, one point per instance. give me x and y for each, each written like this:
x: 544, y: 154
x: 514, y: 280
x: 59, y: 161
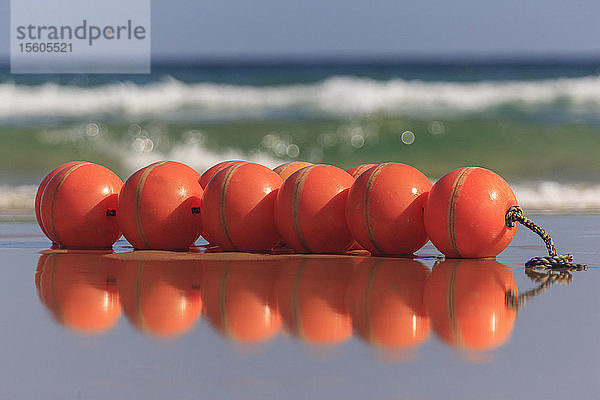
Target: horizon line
x: 318, y: 59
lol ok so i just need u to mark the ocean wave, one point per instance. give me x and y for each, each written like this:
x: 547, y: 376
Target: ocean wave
x: 17, y: 197
x: 534, y: 197
x: 193, y: 153
x: 548, y: 196
x: 336, y: 96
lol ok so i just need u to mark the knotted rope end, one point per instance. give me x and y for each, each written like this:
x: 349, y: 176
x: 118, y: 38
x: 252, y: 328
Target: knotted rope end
x: 551, y: 262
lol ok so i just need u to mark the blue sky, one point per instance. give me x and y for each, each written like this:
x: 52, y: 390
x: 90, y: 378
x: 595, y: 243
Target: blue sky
x: 389, y: 28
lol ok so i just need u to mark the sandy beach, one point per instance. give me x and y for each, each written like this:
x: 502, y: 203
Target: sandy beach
x: 156, y: 324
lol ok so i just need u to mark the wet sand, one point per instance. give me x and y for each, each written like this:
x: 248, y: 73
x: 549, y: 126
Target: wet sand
x: 186, y: 325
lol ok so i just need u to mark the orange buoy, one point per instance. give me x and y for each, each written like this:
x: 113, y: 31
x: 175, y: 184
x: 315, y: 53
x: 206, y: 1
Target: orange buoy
x: 359, y: 169
x: 239, y: 300
x: 76, y: 207
x: 384, y: 210
x: 212, y: 171
x: 207, y: 176
x: 158, y: 207
x: 465, y: 213
x: 238, y: 208
x: 355, y: 172
x: 309, y: 211
x: 310, y: 293
x: 465, y: 300
x: 40, y: 191
x: 385, y: 299
x: 79, y: 289
x: 287, y: 169
x: 160, y: 294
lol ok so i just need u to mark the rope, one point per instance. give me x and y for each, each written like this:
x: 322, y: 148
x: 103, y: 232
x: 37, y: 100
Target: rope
x: 551, y: 262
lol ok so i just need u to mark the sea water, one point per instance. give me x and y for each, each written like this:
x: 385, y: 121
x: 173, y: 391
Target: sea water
x: 535, y: 123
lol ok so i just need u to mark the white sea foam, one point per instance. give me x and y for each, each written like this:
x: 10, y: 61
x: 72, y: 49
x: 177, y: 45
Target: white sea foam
x: 558, y: 197
x: 338, y: 96
x: 534, y: 197
x: 196, y: 156
x: 17, y: 198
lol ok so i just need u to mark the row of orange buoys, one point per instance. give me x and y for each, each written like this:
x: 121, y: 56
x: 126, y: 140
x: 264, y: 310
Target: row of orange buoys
x: 390, y: 303
x: 389, y: 209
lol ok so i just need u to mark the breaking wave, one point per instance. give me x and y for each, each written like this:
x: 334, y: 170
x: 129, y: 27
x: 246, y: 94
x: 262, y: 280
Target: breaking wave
x: 336, y: 96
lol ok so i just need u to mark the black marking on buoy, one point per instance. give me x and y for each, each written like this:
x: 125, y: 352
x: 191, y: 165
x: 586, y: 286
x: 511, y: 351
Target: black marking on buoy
x: 111, y: 213
x: 195, y: 210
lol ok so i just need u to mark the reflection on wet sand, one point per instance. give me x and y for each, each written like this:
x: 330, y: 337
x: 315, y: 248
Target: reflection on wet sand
x: 239, y: 300
x: 544, y: 278
x: 465, y: 300
x: 160, y: 296
x: 385, y: 298
x: 79, y: 289
x: 310, y: 293
x: 390, y: 303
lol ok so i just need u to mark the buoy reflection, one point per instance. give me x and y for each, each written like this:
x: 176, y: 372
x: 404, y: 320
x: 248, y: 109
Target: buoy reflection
x: 466, y: 302
x: 389, y: 303
x: 160, y: 294
x: 385, y: 299
x: 79, y: 289
x: 239, y: 300
x: 310, y: 293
